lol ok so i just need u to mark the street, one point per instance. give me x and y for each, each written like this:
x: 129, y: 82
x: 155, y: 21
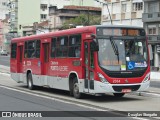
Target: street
x: 16, y: 97
x: 5, y: 60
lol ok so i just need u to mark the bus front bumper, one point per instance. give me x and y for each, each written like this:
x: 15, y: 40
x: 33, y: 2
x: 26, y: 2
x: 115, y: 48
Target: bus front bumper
x: 100, y: 87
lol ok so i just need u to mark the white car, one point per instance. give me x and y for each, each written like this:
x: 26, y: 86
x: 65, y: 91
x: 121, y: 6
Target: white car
x: 4, y: 52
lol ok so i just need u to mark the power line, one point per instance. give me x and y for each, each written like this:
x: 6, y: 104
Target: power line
x: 107, y: 8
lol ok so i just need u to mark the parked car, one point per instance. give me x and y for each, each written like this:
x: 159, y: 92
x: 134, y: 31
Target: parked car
x: 4, y: 52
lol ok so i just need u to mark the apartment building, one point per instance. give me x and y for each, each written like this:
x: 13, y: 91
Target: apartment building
x: 24, y: 13
x: 3, y: 15
x: 5, y: 43
x: 126, y: 12
x: 151, y: 19
x: 3, y: 9
x: 59, y: 16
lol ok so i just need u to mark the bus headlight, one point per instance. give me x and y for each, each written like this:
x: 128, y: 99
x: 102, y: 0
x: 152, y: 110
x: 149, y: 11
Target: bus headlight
x: 146, y: 78
x: 102, y: 78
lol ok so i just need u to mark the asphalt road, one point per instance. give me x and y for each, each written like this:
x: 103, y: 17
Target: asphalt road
x: 11, y: 100
x: 5, y: 60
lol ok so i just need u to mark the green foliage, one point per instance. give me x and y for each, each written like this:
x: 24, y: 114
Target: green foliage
x: 82, y: 20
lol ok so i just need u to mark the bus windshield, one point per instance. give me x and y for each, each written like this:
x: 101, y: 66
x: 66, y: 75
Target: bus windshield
x: 130, y: 55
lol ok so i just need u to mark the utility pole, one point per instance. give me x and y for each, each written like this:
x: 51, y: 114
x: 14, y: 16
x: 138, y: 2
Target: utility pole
x: 107, y: 8
x: 108, y: 12
x: 88, y: 17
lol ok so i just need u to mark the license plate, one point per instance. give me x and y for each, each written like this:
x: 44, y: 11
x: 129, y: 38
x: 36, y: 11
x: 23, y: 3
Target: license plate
x: 126, y: 90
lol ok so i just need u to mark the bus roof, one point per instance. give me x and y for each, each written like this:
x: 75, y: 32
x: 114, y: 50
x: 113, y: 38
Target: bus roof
x: 73, y: 30
x: 120, y: 26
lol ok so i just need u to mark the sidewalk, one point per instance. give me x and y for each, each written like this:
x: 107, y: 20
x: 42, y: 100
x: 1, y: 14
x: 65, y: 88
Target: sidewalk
x: 154, y: 75
x: 4, y: 69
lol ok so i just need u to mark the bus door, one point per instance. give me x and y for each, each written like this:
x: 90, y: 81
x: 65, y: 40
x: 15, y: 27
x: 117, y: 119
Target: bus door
x: 20, y: 59
x: 89, y: 65
x: 45, y: 58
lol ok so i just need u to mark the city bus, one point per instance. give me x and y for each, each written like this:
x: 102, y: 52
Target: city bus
x: 89, y: 60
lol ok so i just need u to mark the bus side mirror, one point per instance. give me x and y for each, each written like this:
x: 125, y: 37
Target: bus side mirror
x: 94, y: 46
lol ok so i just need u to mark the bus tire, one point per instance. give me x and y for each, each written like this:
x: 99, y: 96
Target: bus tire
x: 119, y: 94
x: 30, y: 82
x: 76, y: 92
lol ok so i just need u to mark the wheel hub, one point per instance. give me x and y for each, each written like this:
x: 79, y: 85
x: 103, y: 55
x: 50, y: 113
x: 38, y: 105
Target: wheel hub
x: 76, y: 88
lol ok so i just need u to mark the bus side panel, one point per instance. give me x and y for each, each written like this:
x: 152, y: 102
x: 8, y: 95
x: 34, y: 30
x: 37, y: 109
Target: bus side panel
x: 33, y: 65
x: 61, y: 67
x: 13, y: 65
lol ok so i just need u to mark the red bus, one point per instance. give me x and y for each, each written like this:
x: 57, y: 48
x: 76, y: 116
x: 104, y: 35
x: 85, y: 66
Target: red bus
x: 92, y: 60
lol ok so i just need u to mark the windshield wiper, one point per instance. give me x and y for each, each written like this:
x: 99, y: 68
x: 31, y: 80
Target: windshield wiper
x: 115, y: 48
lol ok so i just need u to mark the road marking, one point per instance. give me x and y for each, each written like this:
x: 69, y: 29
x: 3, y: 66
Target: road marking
x: 7, y: 74
x: 63, y: 101
x: 5, y: 60
x: 155, y: 94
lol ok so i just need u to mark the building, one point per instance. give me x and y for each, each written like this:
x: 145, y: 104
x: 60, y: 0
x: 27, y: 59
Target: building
x: 151, y: 19
x: 3, y: 9
x: 59, y: 16
x: 5, y: 29
x: 3, y: 15
x: 22, y: 13
x: 1, y: 35
x: 25, y: 13
x: 126, y: 12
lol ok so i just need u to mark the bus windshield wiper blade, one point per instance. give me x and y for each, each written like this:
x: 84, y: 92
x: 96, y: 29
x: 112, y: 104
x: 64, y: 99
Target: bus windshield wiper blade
x: 115, y: 48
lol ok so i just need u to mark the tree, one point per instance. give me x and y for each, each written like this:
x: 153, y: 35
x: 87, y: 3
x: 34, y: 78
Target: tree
x: 82, y: 19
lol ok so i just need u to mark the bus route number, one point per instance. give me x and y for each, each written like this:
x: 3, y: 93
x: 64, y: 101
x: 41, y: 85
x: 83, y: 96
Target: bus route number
x: 116, y: 81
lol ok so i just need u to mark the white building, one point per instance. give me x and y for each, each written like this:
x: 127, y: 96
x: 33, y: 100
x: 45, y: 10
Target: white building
x: 126, y: 12
x: 45, y: 4
x: 3, y: 9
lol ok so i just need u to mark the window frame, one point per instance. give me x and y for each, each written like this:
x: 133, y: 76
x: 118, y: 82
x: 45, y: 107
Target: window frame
x: 35, y: 49
x: 13, y: 50
x: 57, y: 47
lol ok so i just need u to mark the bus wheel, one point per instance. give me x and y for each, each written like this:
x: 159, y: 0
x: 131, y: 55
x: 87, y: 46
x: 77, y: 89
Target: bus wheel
x: 119, y: 94
x: 76, y: 92
x: 30, y: 81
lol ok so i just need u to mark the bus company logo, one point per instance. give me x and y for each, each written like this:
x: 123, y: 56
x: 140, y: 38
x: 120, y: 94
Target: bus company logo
x: 126, y: 81
x: 54, y: 63
x: 6, y: 114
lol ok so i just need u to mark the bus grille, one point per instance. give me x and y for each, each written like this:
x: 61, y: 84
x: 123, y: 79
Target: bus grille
x: 120, y: 74
x: 132, y: 87
x: 126, y: 75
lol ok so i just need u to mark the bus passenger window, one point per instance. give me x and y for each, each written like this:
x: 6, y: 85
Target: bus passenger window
x: 25, y: 50
x: 53, y: 47
x: 13, y: 50
x: 31, y: 49
x: 37, y: 49
x: 77, y: 51
x: 74, y: 46
x: 62, y: 46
